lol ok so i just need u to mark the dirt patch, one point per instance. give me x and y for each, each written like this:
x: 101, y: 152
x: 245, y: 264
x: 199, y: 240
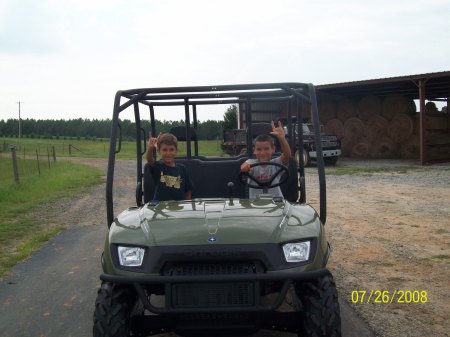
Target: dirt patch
x: 391, y: 237
x: 90, y: 208
x: 390, y: 232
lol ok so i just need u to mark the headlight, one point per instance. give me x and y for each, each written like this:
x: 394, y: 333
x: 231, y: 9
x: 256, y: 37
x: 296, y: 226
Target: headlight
x: 296, y: 252
x: 131, y: 256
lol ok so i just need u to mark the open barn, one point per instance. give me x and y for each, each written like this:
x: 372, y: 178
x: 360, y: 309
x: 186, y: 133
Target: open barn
x: 395, y: 117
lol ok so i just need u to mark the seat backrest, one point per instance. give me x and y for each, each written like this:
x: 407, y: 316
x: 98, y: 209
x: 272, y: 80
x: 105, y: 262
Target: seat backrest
x: 149, y: 184
x: 290, y: 187
x: 261, y: 128
x: 210, y: 179
x: 180, y: 133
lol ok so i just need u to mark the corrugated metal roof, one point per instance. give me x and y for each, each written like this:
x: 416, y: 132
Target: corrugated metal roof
x: 437, y: 85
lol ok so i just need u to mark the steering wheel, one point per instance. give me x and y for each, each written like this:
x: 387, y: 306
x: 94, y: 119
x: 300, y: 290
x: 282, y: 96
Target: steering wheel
x: 265, y: 183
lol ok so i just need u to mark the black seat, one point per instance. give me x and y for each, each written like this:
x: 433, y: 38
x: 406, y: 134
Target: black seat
x: 290, y: 187
x: 181, y: 132
x: 210, y: 179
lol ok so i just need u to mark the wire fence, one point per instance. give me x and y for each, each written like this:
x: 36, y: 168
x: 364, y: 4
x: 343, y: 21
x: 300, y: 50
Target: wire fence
x: 20, y: 165
x: 66, y: 149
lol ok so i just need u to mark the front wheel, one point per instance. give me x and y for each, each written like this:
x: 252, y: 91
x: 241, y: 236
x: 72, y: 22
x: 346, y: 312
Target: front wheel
x: 306, y: 158
x: 114, y: 308
x: 320, y: 307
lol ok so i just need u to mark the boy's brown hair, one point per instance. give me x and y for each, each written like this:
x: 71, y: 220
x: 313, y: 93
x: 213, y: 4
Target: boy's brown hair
x: 168, y: 139
x: 264, y: 138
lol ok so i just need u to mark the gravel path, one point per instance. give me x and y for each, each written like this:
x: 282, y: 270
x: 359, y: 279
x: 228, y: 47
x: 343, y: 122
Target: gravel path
x: 391, y: 237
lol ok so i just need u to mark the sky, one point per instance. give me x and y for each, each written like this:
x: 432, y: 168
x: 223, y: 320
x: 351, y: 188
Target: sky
x: 67, y: 59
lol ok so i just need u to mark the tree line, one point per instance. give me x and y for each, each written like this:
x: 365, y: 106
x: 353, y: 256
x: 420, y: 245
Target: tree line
x: 101, y: 128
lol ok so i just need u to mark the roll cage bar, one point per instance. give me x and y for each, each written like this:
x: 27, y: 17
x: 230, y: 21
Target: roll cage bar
x: 210, y: 95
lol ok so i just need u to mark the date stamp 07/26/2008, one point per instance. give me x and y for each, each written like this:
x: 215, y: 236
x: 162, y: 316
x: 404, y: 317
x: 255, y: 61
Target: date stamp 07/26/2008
x: 387, y: 297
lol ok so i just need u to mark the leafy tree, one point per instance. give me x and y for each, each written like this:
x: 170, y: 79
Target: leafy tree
x: 230, y: 118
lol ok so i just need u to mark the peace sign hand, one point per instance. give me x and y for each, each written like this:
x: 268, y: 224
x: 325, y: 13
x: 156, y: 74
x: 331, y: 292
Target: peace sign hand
x: 152, y: 142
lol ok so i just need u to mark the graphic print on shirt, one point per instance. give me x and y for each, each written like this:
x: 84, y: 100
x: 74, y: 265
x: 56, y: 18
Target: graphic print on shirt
x: 170, y: 181
x: 265, y: 173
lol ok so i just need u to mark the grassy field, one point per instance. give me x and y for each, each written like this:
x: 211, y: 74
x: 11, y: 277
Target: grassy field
x: 89, y: 148
x: 43, y: 179
x: 20, y: 232
x: 368, y: 170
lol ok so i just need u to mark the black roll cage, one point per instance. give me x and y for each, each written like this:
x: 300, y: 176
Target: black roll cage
x: 204, y: 95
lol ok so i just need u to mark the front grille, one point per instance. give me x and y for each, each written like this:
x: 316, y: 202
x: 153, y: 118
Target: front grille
x: 326, y: 144
x: 218, y: 268
x: 188, y: 295
x: 212, y: 294
x: 328, y: 138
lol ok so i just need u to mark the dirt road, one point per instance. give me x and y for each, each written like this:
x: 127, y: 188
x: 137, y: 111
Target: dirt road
x: 391, y: 236
x: 390, y: 231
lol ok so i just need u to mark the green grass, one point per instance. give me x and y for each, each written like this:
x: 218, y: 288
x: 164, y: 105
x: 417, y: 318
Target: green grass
x: 90, y: 149
x: 367, y: 171
x: 441, y: 257
x: 20, y: 232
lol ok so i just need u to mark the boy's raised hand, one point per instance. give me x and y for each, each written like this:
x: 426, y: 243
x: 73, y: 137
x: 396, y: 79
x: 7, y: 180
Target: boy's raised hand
x: 277, y: 131
x: 153, y: 141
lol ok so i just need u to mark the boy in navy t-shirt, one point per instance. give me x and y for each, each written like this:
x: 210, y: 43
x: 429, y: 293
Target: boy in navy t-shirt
x: 171, y: 180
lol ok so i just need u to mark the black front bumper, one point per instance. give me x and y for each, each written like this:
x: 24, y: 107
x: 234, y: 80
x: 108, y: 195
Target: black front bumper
x: 254, y: 281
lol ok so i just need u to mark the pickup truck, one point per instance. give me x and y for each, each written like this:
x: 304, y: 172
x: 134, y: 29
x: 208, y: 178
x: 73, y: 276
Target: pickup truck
x: 234, y: 143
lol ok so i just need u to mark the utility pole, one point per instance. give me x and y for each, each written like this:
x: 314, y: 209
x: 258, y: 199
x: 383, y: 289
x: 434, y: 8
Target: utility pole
x: 20, y: 134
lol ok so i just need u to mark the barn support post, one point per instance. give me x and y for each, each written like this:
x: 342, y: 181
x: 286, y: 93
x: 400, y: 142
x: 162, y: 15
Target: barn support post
x: 423, y: 145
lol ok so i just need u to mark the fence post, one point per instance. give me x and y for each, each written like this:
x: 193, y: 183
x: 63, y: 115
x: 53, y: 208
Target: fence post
x: 70, y: 150
x: 14, y: 160
x: 54, y: 153
x: 48, y: 157
x: 37, y: 160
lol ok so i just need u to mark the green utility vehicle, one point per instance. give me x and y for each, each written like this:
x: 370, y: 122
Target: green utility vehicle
x: 219, y: 263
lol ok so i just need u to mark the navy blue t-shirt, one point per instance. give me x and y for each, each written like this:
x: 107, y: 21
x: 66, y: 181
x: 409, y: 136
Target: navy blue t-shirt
x: 171, y: 182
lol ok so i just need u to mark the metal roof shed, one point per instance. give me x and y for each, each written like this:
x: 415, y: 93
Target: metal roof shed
x: 423, y: 87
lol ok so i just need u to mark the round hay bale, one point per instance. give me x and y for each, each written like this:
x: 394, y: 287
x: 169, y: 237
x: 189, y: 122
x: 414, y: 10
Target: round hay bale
x: 361, y: 148
x: 346, y: 147
x: 346, y: 109
x: 377, y: 127
x: 401, y: 127
x: 437, y: 122
x: 383, y: 147
x: 430, y: 108
x: 410, y: 149
x: 369, y: 106
x: 327, y: 111
x: 394, y: 104
x: 411, y: 109
x: 416, y: 122
x: 354, y: 129
x: 438, y: 138
x: 335, y: 127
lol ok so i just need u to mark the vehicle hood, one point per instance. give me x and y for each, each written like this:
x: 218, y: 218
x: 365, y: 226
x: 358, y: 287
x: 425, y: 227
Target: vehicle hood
x: 215, y: 221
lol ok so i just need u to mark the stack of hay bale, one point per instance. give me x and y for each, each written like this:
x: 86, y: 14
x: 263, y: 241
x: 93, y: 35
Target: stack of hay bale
x: 373, y: 127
